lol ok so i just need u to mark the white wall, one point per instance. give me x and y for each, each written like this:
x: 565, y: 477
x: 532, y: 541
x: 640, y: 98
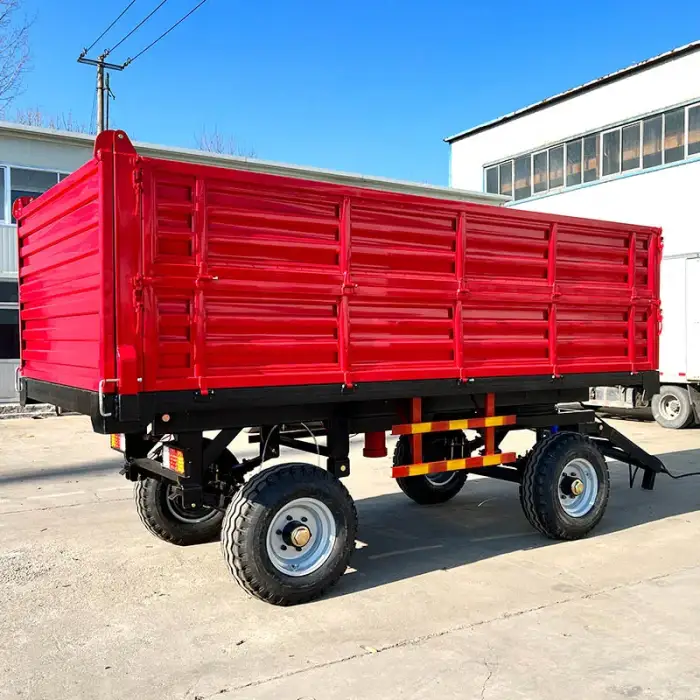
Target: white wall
x: 653, y: 89
x: 40, y: 153
x: 668, y: 197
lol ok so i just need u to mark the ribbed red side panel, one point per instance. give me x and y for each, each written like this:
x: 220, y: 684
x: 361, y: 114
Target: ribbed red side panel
x: 62, y: 309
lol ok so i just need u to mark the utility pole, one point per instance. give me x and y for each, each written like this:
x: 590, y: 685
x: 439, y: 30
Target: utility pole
x: 110, y: 95
x: 101, y: 64
x: 100, y: 96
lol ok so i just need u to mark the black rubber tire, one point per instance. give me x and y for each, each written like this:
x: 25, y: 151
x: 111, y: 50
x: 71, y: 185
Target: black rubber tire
x: 686, y: 416
x: 151, y: 505
x: 539, y: 489
x: 248, y: 517
x: 419, y: 488
x: 151, y: 497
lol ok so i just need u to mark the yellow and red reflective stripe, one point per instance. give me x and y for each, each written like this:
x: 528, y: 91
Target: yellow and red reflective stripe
x: 452, y: 465
x: 440, y: 426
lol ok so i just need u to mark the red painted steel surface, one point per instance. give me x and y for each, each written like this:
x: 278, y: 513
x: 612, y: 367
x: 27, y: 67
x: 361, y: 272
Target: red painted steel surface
x: 227, y: 278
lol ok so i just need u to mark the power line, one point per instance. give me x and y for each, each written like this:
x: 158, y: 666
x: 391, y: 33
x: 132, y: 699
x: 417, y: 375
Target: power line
x: 92, y: 46
x: 140, y: 24
x: 164, y: 34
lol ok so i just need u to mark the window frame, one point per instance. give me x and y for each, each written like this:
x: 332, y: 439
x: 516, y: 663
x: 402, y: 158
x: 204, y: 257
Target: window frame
x: 618, y: 172
x: 663, y: 134
x: 566, y: 144
x: 544, y: 152
x: 640, y: 146
x: 497, y: 168
x: 561, y: 187
x: 7, y: 204
x: 695, y: 105
x: 512, y: 178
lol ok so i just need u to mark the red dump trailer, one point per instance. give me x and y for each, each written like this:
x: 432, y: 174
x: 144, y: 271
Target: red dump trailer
x: 164, y: 299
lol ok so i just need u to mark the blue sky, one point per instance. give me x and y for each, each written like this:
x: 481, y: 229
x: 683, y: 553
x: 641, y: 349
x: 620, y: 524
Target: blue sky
x: 370, y: 86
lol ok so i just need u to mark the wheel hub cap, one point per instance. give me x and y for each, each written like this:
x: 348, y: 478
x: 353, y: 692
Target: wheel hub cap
x: 301, y: 536
x: 578, y: 487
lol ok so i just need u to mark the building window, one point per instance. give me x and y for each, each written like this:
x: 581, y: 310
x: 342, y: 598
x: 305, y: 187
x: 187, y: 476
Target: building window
x: 523, y: 167
x: 573, y: 163
x: 492, y: 180
x: 667, y: 137
x: 591, y: 147
x: 539, y: 172
x: 630, y: 147
x: 556, y: 167
x: 674, y: 135
x: 651, y: 153
x: 9, y: 292
x: 505, y: 172
x: 29, y: 183
x: 611, y: 152
x: 9, y: 334
x: 694, y: 130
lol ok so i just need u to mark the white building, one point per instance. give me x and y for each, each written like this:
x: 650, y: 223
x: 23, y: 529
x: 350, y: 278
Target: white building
x: 33, y: 159
x: 624, y: 147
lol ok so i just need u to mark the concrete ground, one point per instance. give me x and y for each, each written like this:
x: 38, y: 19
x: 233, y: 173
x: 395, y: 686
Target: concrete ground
x: 462, y: 600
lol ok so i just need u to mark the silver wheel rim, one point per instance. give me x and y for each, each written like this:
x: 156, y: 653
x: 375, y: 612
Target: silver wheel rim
x: 669, y: 407
x: 442, y: 479
x: 295, y: 521
x: 578, y: 471
x: 191, y: 517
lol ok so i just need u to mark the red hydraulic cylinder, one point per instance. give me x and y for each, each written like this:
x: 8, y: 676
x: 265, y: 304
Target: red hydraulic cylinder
x: 375, y: 445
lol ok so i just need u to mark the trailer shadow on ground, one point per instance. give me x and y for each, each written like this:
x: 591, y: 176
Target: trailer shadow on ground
x: 106, y: 467
x: 400, y: 540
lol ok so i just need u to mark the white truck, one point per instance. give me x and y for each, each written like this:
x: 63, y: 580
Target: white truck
x: 678, y: 404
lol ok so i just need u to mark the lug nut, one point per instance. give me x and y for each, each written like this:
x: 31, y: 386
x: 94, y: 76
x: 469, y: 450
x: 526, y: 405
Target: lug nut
x: 289, y: 517
x: 284, y: 547
x: 303, y: 520
x: 279, y: 532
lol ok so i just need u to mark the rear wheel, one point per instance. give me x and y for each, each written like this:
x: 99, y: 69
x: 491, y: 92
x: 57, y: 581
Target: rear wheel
x: 565, y: 486
x: 288, y: 534
x: 431, y: 489
x: 672, y: 408
x: 159, y: 506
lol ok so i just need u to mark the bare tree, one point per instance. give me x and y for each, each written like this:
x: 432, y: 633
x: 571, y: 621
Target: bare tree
x: 62, y: 122
x: 14, y: 51
x: 215, y: 142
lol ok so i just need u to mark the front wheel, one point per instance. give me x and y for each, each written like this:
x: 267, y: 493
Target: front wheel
x: 565, y: 486
x: 288, y: 533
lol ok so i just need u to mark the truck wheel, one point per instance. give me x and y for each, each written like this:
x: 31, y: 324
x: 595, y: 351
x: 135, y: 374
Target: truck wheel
x: 288, y: 533
x: 432, y: 489
x: 158, y: 505
x: 160, y: 509
x: 565, y: 486
x: 671, y: 407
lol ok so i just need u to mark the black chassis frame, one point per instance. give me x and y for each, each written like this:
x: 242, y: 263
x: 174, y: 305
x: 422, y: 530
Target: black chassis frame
x: 148, y: 417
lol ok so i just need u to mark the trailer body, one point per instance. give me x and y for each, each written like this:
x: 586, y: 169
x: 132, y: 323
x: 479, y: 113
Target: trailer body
x: 150, y: 278
x: 165, y: 299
